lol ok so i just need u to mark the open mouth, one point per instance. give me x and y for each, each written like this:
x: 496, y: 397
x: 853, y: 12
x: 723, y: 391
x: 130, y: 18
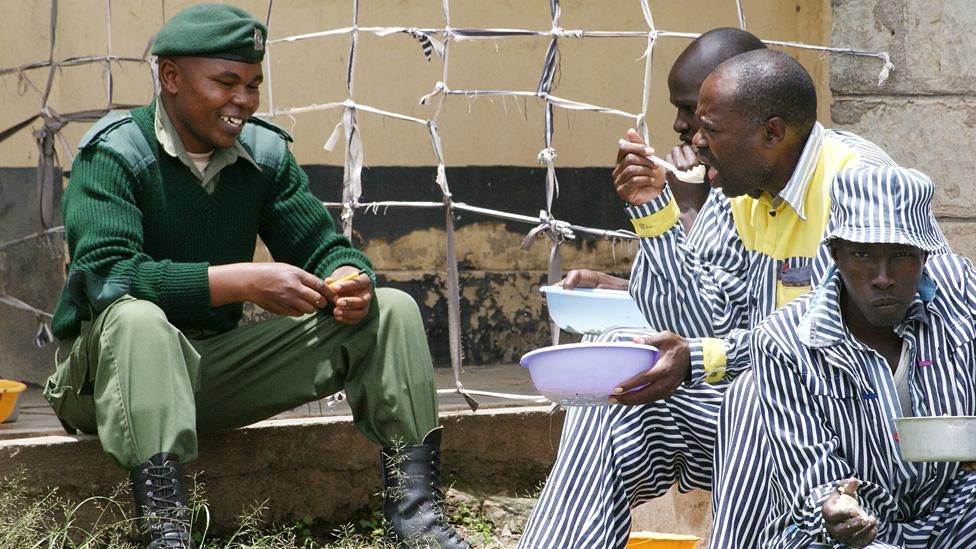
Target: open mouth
x: 711, y: 172
x: 232, y: 120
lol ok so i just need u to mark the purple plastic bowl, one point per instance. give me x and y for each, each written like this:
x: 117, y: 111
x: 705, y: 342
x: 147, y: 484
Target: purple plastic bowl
x: 584, y: 374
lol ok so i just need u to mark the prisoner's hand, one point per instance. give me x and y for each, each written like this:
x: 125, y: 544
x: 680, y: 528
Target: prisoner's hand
x: 351, y: 297
x: 664, y: 378
x: 845, y: 520
x: 585, y: 278
x: 683, y: 157
x: 636, y: 178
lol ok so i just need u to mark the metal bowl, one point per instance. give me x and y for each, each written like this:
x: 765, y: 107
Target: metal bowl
x: 937, y: 438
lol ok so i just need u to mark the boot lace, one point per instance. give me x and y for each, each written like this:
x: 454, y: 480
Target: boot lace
x: 166, y: 516
x: 438, y: 498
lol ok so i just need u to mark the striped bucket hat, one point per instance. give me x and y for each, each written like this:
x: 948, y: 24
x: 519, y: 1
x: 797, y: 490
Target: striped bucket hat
x: 884, y: 205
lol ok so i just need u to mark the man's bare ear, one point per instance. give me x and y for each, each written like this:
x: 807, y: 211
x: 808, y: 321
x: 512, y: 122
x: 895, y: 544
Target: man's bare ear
x: 776, y: 130
x: 169, y: 75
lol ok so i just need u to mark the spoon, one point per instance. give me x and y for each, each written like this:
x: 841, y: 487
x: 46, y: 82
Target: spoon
x: 695, y: 175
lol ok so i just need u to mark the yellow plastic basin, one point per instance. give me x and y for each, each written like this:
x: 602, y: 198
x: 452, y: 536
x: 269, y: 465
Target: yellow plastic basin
x: 9, y: 393
x: 656, y: 540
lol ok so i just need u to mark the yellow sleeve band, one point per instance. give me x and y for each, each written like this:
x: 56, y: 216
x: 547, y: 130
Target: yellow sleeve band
x: 658, y: 222
x: 713, y: 355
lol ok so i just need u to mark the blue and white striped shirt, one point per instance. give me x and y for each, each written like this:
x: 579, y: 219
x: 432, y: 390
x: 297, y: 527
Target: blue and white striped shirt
x: 749, y: 256
x: 829, y: 403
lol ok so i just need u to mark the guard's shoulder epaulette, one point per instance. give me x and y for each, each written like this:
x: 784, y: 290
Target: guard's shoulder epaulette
x: 104, y: 126
x: 119, y: 132
x: 271, y: 126
x: 266, y: 142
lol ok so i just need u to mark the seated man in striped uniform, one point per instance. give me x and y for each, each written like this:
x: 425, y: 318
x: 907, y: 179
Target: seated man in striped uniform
x: 690, y: 69
x: 754, y: 247
x: 890, y: 333
x: 550, y: 523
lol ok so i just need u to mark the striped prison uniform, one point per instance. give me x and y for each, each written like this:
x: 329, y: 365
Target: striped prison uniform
x: 829, y: 403
x: 743, y: 258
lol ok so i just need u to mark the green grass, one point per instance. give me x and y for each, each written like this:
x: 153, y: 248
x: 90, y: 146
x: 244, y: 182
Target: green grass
x: 52, y: 522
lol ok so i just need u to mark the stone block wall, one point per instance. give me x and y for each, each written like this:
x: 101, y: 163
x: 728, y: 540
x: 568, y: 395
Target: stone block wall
x: 925, y: 115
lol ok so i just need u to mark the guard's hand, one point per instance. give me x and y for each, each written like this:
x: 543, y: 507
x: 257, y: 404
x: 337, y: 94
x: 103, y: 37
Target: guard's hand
x: 585, y: 278
x: 636, y: 179
x: 968, y: 465
x: 844, y: 518
x: 279, y: 288
x: 664, y: 378
x: 351, y: 297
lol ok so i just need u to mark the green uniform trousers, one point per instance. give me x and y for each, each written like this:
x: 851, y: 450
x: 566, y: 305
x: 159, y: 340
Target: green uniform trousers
x: 145, y: 388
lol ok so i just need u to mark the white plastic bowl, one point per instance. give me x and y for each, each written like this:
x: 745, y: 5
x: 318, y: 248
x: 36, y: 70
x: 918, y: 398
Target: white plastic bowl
x: 592, y: 310
x: 584, y: 374
x: 937, y: 438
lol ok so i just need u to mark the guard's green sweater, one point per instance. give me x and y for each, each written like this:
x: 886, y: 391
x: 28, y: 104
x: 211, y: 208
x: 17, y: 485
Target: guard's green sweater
x: 138, y: 222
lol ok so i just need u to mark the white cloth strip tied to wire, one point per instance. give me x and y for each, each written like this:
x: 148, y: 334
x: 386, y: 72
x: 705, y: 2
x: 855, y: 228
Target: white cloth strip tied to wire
x: 648, y: 57
x: 556, y: 230
x: 428, y: 44
x: 580, y: 106
x: 508, y: 396
x: 72, y: 62
x: 43, y: 335
x: 41, y: 234
x: 886, y: 65
x: 547, y: 158
x: 454, y: 306
x: 495, y: 33
x: 351, y: 67
x: 466, y: 34
x: 553, y: 275
x: 439, y: 88
x: 352, y: 184
x: 267, y: 65
x: 47, y: 158
x: 453, y: 285
x: 109, y: 87
x: 290, y: 111
x: 557, y: 234
x: 445, y: 66
x: 376, y: 206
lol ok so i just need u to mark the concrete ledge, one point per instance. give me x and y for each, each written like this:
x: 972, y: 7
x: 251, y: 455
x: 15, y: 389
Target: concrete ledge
x: 320, y: 467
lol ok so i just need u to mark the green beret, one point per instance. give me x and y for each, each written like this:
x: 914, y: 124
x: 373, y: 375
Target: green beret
x: 212, y: 30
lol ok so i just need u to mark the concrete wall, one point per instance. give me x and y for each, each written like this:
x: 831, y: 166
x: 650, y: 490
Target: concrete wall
x: 322, y: 467
x: 490, y: 144
x: 925, y: 116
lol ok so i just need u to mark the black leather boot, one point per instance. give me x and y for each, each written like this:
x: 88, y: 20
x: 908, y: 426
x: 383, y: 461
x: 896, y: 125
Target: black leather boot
x: 163, y: 516
x: 412, y: 496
